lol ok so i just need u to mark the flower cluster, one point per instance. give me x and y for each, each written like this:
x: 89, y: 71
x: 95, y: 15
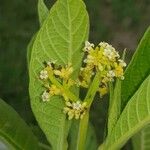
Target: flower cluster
x: 104, y: 59
x: 75, y: 109
x: 62, y: 74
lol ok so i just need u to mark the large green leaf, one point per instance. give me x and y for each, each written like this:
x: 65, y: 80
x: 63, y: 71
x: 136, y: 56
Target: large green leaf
x: 42, y: 11
x: 14, y: 130
x: 60, y: 38
x: 136, y: 72
x: 141, y: 140
x: 133, y: 118
x: 138, y: 69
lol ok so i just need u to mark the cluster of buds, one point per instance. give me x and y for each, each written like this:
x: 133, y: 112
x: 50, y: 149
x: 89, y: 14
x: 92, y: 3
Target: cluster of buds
x: 75, y: 109
x: 104, y: 59
x: 60, y: 73
x: 49, y: 92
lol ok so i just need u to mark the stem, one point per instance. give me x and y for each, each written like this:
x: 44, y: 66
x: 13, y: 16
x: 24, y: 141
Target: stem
x: 82, y: 133
x: 70, y: 95
x: 111, y: 92
x: 93, y: 89
x: 84, y: 122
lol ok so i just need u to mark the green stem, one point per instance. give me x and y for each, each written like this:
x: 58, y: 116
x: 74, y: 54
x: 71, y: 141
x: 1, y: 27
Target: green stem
x: 82, y: 133
x: 70, y: 95
x: 111, y: 92
x: 93, y: 89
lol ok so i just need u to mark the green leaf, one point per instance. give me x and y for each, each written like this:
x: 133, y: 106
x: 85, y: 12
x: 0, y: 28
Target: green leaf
x: 138, y: 69
x: 141, y: 140
x: 42, y: 11
x: 40, y: 136
x: 14, y: 130
x: 133, y: 118
x: 60, y: 38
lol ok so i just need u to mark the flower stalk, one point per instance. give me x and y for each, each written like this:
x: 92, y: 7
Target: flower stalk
x: 69, y: 94
x: 92, y: 89
x: 82, y: 132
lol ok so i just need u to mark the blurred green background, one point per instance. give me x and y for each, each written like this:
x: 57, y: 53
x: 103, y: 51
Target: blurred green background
x: 121, y: 23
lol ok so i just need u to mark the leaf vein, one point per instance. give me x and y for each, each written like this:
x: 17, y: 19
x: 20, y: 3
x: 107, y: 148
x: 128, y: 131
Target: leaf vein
x: 59, y: 56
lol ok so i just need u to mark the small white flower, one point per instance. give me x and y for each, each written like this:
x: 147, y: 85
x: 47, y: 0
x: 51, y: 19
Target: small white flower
x: 117, y: 54
x: 45, y: 96
x: 122, y: 63
x: 43, y: 74
x: 77, y: 105
x: 49, y: 63
x: 85, y: 60
x: 75, y: 110
x: 103, y: 44
x: 88, y: 46
x: 109, y: 51
x: 111, y: 74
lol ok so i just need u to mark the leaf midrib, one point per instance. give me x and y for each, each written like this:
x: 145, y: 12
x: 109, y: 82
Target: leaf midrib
x: 10, y: 140
x: 70, y: 36
x: 69, y: 61
x: 61, y: 146
x: 121, y: 140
